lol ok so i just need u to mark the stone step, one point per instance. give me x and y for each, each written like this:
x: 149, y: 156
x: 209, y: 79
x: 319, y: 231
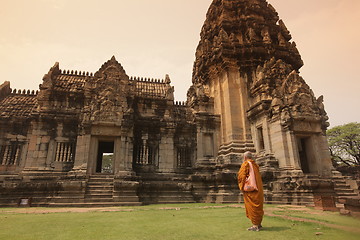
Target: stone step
x: 342, y: 185
x: 168, y: 199
x: 95, y: 204
x: 174, y: 202
x: 43, y: 200
x: 339, y: 180
x: 92, y: 195
x: 128, y: 198
x: 101, y: 177
x: 67, y: 199
x: 98, y: 199
x: 99, y: 188
x: 340, y: 191
x: 339, y: 205
x: 100, y: 185
x: 8, y: 205
x: 345, y: 195
x: 300, y: 203
x: 8, y: 202
x: 91, y: 181
x: 98, y: 193
x: 166, y: 194
x: 105, y: 175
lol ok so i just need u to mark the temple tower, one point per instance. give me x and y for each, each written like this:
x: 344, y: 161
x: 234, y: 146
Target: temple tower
x: 247, y: 72
x: 238, y: 36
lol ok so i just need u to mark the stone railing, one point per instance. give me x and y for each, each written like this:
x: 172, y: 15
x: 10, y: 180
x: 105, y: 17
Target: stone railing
x: 65, y: 152
x: 10, y: 154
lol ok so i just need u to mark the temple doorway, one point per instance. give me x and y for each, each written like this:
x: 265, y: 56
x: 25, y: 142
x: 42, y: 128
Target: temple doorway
x: 105, y: 157
x: 303, y: 154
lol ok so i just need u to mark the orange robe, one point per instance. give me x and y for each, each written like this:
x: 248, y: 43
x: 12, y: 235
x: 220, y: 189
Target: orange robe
x: 254, y: 200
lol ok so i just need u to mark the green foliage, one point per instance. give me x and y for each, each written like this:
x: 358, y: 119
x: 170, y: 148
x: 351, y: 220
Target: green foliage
x: 107, y: 163
x: 344, y: 143
x: 171, y: 222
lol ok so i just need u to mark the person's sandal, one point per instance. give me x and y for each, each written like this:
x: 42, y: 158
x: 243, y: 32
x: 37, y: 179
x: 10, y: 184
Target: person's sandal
x: 253, y: 228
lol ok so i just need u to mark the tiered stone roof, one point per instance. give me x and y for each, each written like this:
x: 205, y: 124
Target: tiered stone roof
x: 66, y: 82
x: 22, y: 103
x: 150, y: 88
x: 18, y: 105
x: 145, y: 87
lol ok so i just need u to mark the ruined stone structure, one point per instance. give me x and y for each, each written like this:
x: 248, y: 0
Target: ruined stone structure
x: 110, y: 139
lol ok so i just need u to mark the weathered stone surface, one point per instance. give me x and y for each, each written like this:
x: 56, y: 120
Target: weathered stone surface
x: 109, y: 139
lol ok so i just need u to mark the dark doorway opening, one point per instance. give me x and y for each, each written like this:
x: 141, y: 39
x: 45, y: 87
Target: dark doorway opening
x: 260, y: 135
x: 304, y: 160
x: 105, y: 158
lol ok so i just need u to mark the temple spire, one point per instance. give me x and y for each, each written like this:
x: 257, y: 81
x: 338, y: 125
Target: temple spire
x: 248, y: 32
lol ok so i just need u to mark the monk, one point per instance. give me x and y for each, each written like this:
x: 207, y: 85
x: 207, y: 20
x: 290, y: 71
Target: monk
x: 254, y: 200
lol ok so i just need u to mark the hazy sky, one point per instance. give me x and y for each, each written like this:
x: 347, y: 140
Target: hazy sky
x: 151, y: 38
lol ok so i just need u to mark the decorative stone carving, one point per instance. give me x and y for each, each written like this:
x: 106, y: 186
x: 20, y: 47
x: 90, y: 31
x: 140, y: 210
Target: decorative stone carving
x: 252, y: 36
x: 106, y: 93
x: 105, y: 108
x: 266, y: 36
x: 247, y: 26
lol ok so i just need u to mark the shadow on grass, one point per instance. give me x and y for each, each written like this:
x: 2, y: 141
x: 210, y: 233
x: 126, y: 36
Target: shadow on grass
x: 275, y: 229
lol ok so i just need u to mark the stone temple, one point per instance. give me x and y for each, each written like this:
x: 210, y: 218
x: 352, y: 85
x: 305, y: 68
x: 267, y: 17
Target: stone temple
x: 107, y: 139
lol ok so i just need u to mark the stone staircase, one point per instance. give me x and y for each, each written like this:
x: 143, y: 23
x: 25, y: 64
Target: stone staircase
x: 99, y: 192
x: 343, y: 191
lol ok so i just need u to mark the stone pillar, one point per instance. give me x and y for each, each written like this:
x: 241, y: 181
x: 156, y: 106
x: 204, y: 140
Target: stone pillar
x: 51, y: 154
x: 31, y: 154
x: 207, y: 146
x: 281, y: 144
x: 123, y: 160
x: 230, y: 93
x: 293, y: 161
x: 119, y: 150
x: 199, y: 143
x: 129, y: 150
x: 167, y: 160
x: 82, y: 154
x: 38, y: 149
x: 323, y: 156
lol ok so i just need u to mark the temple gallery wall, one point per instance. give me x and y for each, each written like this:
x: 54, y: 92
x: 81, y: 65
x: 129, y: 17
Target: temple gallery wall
x: 106, y: 138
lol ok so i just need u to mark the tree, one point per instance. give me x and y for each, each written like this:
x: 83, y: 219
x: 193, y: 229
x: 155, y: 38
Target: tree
x: 344, y: 144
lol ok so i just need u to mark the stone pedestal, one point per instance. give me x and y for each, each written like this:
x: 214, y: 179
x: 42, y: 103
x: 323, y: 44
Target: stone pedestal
x: 353, y: 206
x: 324, y: 194
x: 203, y: 181
x: 225, y: 187
x: 126, y: 192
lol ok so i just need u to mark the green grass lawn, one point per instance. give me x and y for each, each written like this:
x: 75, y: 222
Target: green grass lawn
x: 186, y: 222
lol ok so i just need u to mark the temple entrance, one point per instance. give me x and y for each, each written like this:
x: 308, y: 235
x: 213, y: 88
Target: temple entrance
x: 303, y: 154
x: 105, y: 157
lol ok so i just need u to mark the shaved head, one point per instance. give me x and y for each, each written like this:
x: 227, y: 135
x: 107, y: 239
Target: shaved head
x: 248, y: 155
